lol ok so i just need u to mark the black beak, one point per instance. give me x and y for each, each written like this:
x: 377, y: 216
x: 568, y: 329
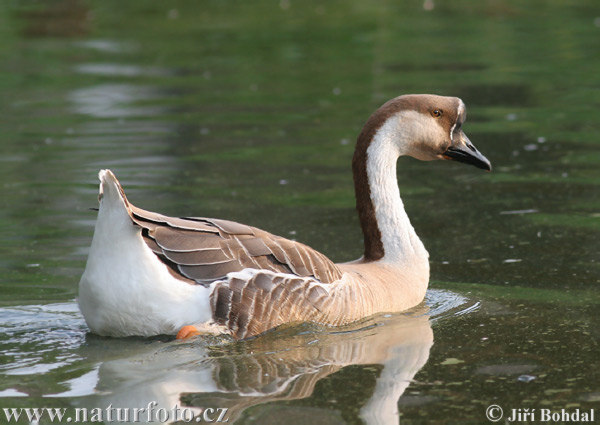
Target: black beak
x: 464, y: 151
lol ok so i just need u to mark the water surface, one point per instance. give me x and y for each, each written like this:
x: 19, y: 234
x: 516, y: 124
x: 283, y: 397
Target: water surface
x: 249, y: 111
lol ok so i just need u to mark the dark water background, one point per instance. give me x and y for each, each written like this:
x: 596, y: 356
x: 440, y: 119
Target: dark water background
x: 249, y: 111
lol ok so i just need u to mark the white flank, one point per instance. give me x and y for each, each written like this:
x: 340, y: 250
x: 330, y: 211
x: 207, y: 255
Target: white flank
x: 125, y: 289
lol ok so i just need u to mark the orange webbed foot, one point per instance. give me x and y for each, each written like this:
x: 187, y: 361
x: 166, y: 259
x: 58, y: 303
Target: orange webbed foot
x: 187, y: 331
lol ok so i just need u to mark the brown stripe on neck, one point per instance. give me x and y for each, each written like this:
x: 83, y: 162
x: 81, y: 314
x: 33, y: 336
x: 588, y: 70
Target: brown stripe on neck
x: 364, y: 204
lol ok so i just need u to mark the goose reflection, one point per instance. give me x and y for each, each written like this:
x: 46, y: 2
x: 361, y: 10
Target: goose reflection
x: 283, y: 365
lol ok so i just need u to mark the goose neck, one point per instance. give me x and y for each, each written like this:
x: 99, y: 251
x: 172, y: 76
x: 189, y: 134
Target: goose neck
x: 388, y: 233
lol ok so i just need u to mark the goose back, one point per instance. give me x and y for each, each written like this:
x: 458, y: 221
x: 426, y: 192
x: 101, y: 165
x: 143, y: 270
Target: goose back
x: 203, y: 250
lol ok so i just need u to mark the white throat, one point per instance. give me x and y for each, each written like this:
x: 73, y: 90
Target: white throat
x: 400, y: 242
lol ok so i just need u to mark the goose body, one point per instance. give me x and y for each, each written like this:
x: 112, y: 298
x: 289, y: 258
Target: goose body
x: 149, y: 274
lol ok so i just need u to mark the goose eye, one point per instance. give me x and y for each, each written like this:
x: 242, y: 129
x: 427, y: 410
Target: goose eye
x: 437, y: 113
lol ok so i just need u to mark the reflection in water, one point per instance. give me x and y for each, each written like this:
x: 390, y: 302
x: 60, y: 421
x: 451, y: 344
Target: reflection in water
x: 116, y: 101
x: 61, y: 18
x: 121, y: 70
x: 27, y: 332
x: 283, y: 366
x: 270, y: 368
x: 108, y: 46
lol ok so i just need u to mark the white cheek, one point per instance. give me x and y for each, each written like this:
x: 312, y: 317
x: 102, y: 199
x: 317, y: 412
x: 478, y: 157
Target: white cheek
x: 422, y: 135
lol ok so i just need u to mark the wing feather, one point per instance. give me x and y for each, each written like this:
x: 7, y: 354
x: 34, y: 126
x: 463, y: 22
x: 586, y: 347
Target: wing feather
x: 209, y: 272
x: 172, y: 239
x: 206, y: 249
x: 198, y: 258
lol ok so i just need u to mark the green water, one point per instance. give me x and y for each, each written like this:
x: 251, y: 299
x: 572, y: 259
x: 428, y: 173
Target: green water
x: 249, y: 111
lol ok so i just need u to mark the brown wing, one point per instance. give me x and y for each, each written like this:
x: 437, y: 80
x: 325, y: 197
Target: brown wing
x: 204, y: 249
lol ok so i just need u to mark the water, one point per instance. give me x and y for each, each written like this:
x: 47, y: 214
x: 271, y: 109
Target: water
x: 249, y: 112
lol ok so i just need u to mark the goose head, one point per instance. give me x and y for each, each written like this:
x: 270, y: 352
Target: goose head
x: 427, y: 127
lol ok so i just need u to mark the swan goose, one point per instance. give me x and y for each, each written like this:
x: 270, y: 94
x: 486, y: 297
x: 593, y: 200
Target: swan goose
x: 149, y: 274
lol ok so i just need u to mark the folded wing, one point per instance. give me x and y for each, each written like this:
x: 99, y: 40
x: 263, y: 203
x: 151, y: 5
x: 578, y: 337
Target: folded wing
x: 203, y: 250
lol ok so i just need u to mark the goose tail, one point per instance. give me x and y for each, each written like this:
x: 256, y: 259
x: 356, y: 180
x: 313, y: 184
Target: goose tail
x: 111, y: 193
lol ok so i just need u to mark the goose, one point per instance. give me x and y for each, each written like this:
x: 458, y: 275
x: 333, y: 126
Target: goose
x: 149, y: 274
